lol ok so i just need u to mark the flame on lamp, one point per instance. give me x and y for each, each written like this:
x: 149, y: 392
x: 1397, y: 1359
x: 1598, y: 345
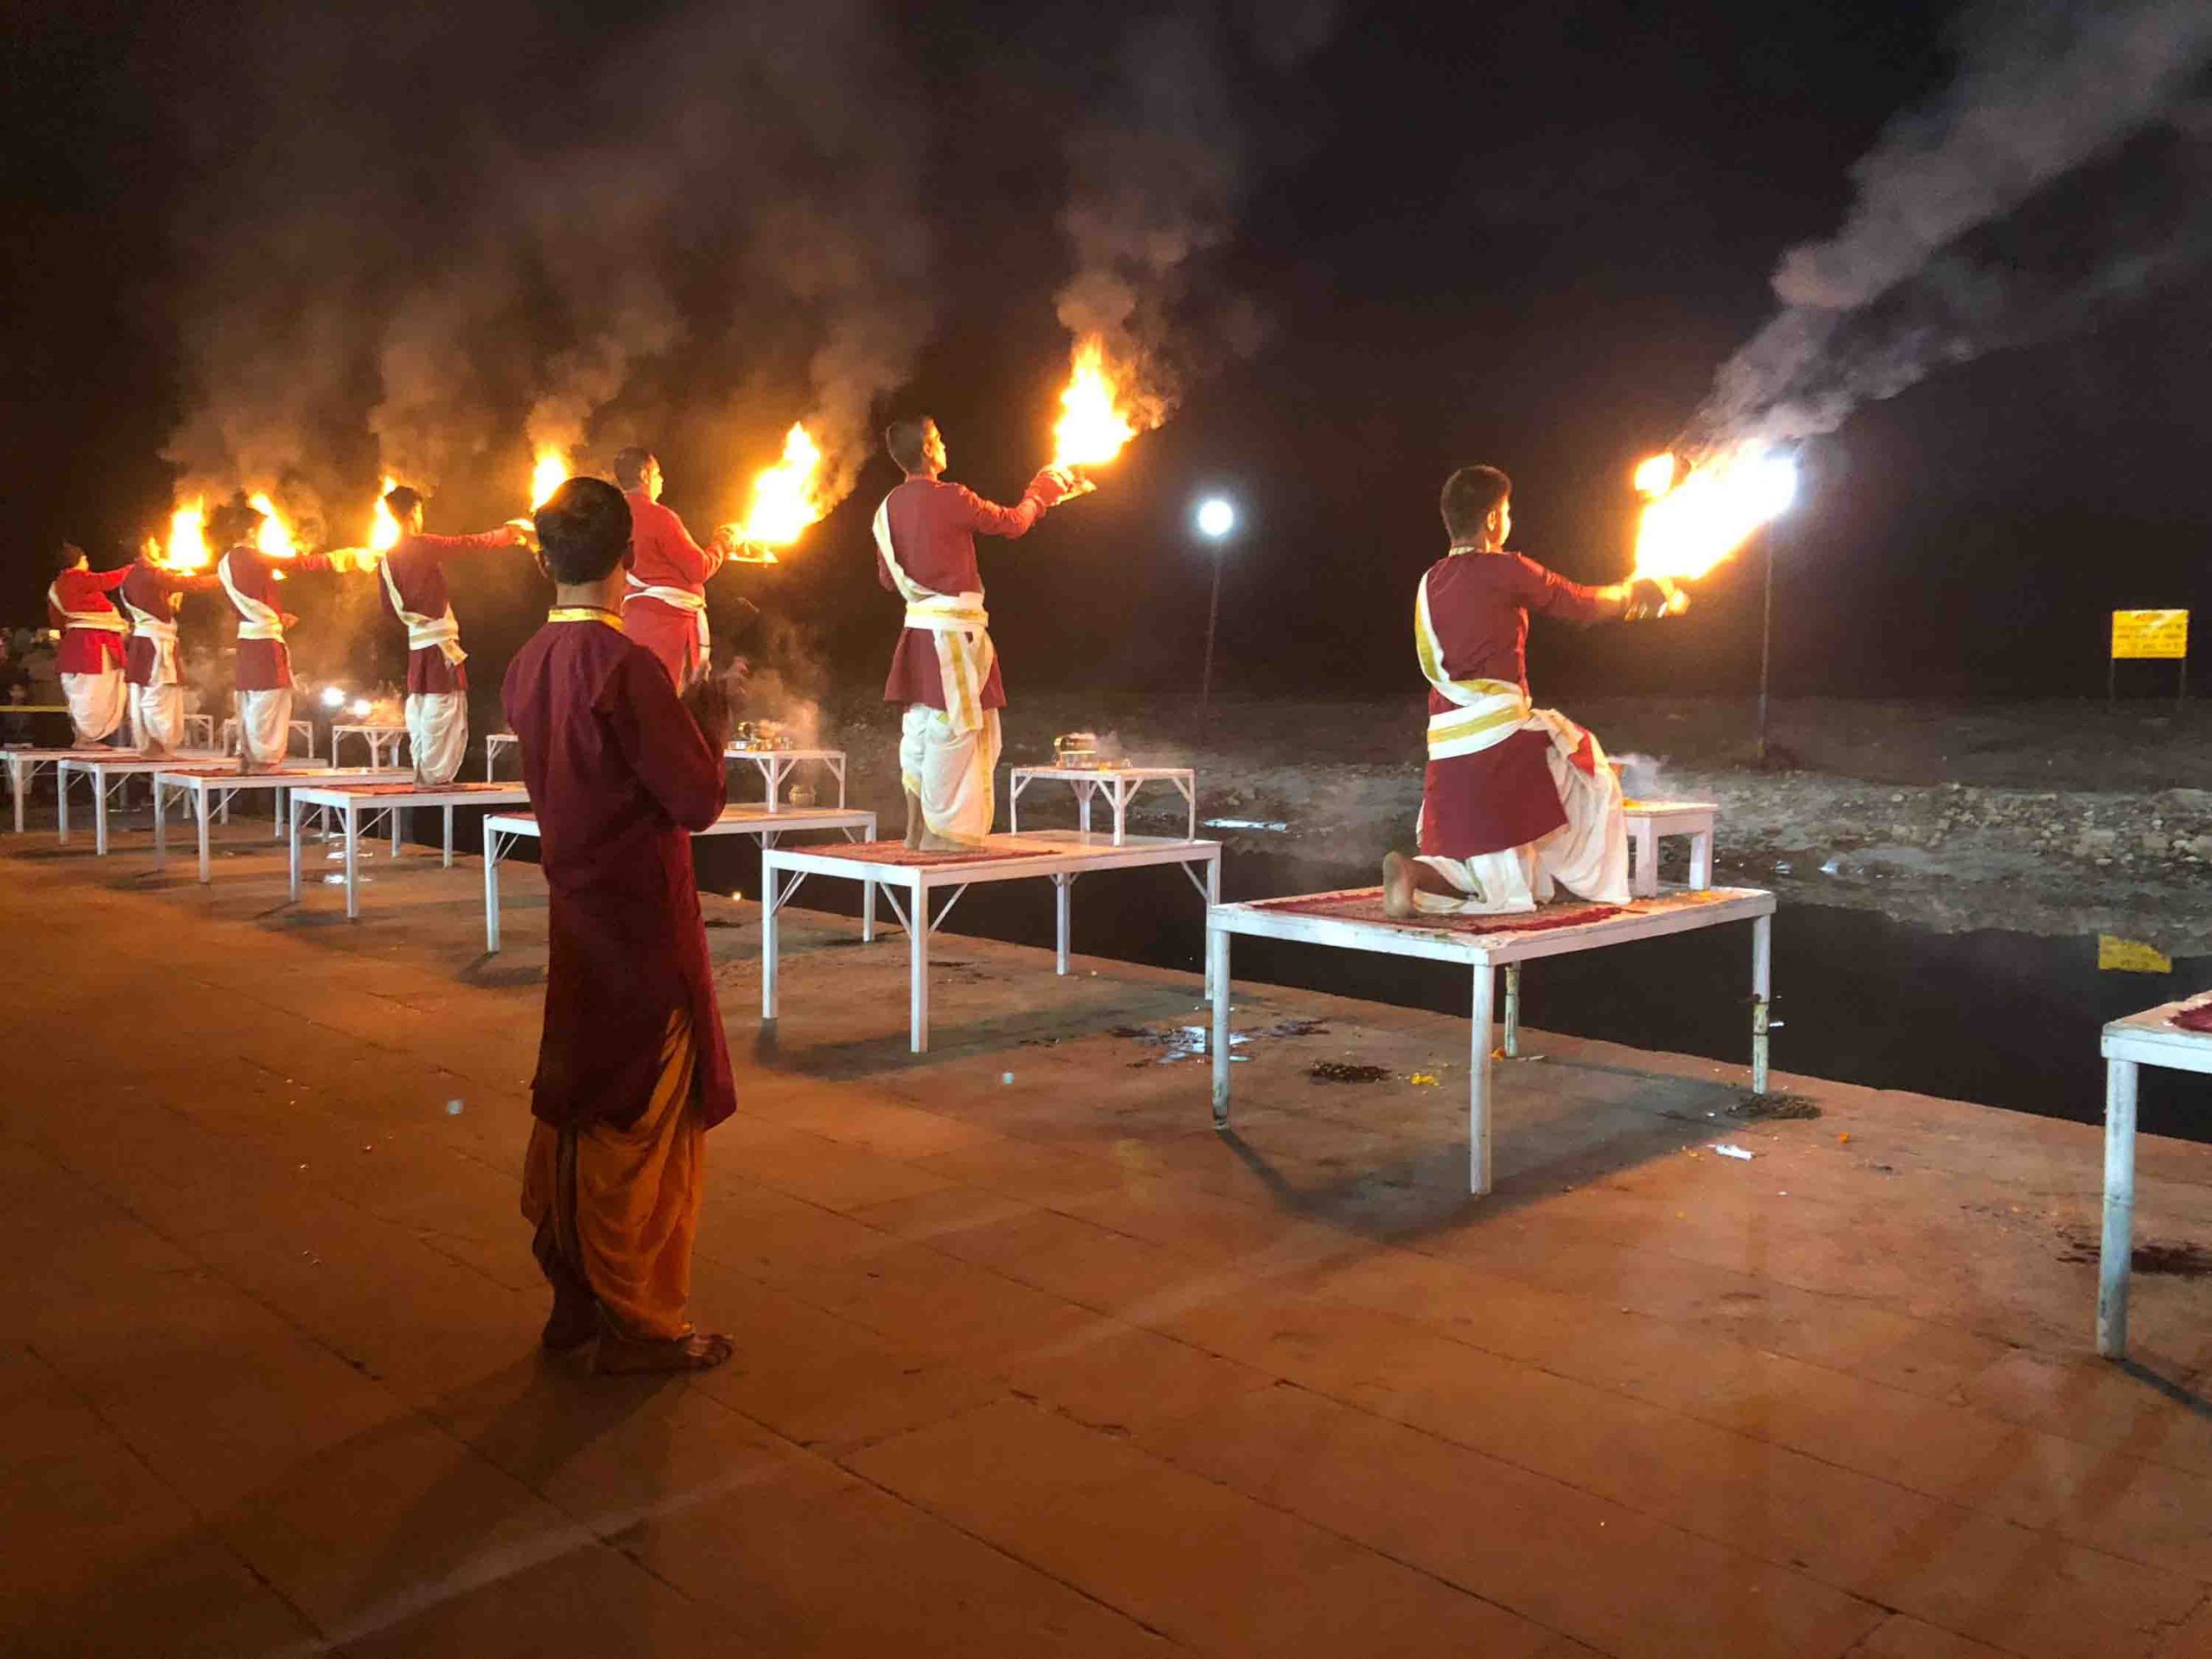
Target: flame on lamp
x: 384, y: 529
x: 787, y: 497
x: 1711, y: 511
x: 550, y: 473
x: 274, y: 539
x: 187, y: 548
x: 1093, y: 424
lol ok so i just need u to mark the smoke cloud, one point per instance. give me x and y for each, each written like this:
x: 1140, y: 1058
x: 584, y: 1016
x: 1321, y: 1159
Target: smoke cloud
x: 2046, y: 90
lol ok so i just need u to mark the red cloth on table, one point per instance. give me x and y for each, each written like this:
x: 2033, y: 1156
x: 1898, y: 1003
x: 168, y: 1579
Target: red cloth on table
x: 1365, y: 904
x: 665, y: 557
x: 617, y: 771
x: 933, y: 529
x: 2195, y: 1017
x: 158, y: 593
x: 265, y: 664
x: 417, y: 567
x: 1505, y: 797
x: 85, y: 650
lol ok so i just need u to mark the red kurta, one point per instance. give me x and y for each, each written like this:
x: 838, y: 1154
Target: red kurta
x: 1504, y: 797
x: 666, y: 557
x: 85, y: 650
x: 933, y: 527
x: 617, y: 771
x: 157, y: 592
x: 265, y: 664
x: 417, y: 567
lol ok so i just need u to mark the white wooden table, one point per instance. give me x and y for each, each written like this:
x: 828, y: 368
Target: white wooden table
x: 1678, y: 909
x: 25, y: 765
x: 360, y: 801
x: 1057, y: 855
x: 211, y: 788
x: 495, y: 744
x: 503, y: 830
x: 775, y: 765
x: 204, y: 725
x: 1117, y: 784
x: 378, y: 738
x: 1649, y: 820
x: 2147, y: 1038
x: 301, y: 729
x: 109, y: 776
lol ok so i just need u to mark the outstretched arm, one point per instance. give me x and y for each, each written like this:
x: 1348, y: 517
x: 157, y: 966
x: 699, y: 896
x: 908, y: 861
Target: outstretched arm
x: 505, y: 536
x: 108, y: 580
x: 1048, y: 488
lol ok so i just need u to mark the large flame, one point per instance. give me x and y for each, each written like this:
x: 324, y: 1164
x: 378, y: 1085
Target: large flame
x: 1691, y: 525
x: 550, y: 473
x: 787, y: 497
x: 275, y: 536
x: 1093, y: 424
x: 187, y: 548
x: 384, y: 529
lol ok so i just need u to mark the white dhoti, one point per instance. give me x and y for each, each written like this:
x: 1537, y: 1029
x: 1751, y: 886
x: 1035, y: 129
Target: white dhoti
x: 437, y: 733
x: 1588, y: 854
x: 265, y: 725
x: 157, y: 718
x: 96, y: 703
x: 950, y: 771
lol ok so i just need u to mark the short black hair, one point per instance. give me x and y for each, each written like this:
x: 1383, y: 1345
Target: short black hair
x: 1471, y: 495
x: 904, y: 439
x: 235, y: 523
x: 584, y: 526
x: 630, y: 467
x: 402, y: 500
x: 68, y: 555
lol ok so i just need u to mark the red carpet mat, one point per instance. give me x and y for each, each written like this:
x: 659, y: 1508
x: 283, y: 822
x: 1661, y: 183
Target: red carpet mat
x: 1365, y: 904
x: 898, y: 852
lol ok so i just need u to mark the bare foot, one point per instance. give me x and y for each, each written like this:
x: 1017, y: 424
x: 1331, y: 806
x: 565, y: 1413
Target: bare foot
x: 1397, y: 887
x: 933, y: 842
x: 914, y: 827
x: 624, y: 1356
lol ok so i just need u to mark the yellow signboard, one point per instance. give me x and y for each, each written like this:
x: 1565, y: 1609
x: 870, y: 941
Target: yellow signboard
x: 2131, y: 956
x: 2150, y: 633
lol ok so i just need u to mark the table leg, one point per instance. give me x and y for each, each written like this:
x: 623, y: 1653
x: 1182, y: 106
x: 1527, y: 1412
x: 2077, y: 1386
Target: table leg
x: 354, y: 858
x: 278, y: 798
x: 1122, y: 791
x: 1643, y: 844
x: 1060, y: 884
x: 1762, y: 993
x: 15, y: 789
x: 99, y: 811
x: 398, y: 818
x: 1217, y: 978
x: 292, y: 858
x: 1512, y: 1044
x: 2115, y: 1254
x: 1190, y: 800
x: 917, y: 967
x: 1083, y: 804
x: 776, y: 772
x: 491, y: 891
x: 771, y: 937
x: 1213, y: 898
x: 448, y: 835
x: 838, y: 767
x: 1478, y: 1081
x: 1015, y: 782
x: 206, y: 874
x: 61, y: 801
x: 1701, y: 859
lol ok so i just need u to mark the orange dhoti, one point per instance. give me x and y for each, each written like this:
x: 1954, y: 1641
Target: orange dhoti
x: 617, y: 1209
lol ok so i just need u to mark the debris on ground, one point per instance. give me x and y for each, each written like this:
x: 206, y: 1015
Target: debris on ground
x: 1340, y: 1072
x: 1757, y: 1107
x: 1728, y: 1151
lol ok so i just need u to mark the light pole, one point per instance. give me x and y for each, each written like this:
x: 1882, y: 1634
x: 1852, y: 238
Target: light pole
x: 1778, y: 482
x: 1215, y: 519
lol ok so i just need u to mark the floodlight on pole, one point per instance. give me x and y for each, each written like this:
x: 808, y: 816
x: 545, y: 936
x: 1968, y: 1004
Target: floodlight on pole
x: 1215, y: 519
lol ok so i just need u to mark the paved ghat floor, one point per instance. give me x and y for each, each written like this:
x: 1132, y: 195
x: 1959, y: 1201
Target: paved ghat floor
x: 1030, y: 1361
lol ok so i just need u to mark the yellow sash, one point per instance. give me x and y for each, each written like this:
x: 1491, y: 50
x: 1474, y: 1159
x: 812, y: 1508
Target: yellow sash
x: 958, y: 624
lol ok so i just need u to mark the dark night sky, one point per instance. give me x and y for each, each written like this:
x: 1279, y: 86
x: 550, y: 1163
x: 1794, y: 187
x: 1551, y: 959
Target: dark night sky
x: 1520, y: 233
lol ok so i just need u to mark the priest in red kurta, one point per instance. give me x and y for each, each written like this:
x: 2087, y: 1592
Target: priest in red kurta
x: 152, y: 595
x: 1515, y: 798
x: 632, y: 1066
x: 664, y: 599
x: 414, y: 576
x: 251, y: 578
x: 90, y: 661
x: 944, y: 672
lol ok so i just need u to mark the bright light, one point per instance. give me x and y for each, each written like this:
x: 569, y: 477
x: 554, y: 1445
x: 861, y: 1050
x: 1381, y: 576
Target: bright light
x: 361, y: 708
x: 1656, y: 476
x: 1711, y: 511
x: 1217, y: 517
x: 1777, y: 485
x: 547, y: 474
x: 333, y: 697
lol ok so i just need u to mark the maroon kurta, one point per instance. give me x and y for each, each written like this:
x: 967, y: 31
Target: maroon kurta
x: 933, y: 526
x: 1504, y: 797
x: 665, y: 557
x: 158, y: 593
x: 265, y: 664
x: 85, y: 650
x: 617, y: 771
x: 417, y: 567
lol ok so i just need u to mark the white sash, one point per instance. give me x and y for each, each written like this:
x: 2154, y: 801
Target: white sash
x: 424, y: 633
x: 682, y: 598
x: 257, y: 619
x: 1488, y: 711
x: 956, y: 624
x: 97, y: 621
x: 162, y: 632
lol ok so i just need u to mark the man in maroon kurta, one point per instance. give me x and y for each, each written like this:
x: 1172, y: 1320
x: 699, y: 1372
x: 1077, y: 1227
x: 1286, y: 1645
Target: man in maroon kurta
x: 437, y: 684
x: 1514, y: 798
x: 251, y: 578
x: 90, y: 661
x: 632, y: 1066
x: 152, y: 595
x: 664, y: 600
x: 945, y: 671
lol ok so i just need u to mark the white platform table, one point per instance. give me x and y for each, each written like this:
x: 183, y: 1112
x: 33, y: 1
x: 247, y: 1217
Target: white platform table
x: 777, y: 765
x: 359, y: 803
x: 301, y: 729
x: 1649, y: 820
x: 378, y: 738
x: 495, y: 745
x: 1116, y: 785
x: 108, y: 776
x: 25, y: 765
x: 909, y: 879
x: 1677, y: 909
x: 204, y: 727
x: 2147, y: 1038
x: 503, y: 830
x: 211, y: 788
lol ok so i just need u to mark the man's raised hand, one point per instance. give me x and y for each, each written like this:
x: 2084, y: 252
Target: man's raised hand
x: 708, y: 701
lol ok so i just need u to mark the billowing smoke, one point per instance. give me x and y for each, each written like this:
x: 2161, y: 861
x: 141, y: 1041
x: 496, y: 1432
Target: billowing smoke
x: 2046, y: 90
